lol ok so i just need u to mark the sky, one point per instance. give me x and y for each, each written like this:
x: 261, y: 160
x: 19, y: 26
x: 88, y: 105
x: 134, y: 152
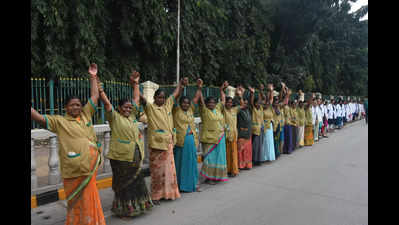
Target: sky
x: 357, y: 5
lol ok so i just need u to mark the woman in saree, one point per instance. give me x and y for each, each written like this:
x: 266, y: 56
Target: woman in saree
x: 301, y: 124
x: 79, y: 154
x: 288, y: 140
x: 277, y: 127
x: 308, y: 136
x: 230, y: 113
x: 185, y: 151
x: 267, y: 117
x: 213, y: 140
x: 294, y: 123
x: 161, y: 140
x: 126, y: 154
x: 244, y: 128
x: 258, y: 154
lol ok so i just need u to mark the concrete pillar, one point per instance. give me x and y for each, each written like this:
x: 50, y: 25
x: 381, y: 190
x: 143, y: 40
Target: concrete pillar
x: 107, y: 139
x: 33, y: 177
x: 230, y: 91
x: 149, y: 89
x: 53, y: 162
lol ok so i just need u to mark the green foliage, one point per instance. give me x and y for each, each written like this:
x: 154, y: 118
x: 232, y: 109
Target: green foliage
x: 312, y: 43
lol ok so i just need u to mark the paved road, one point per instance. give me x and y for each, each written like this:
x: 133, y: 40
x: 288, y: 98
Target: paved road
x: 325, y: 184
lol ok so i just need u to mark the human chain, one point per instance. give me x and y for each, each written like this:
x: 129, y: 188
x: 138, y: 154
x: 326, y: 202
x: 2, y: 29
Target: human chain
x: 237, y: 134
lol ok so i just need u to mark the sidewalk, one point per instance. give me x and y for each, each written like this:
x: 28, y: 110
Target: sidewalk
x: 55, y: 213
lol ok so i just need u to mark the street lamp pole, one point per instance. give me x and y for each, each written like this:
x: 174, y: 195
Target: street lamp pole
x: 178, y: 43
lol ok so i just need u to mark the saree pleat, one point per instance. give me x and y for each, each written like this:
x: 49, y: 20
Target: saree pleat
x: 301, y: 136
x: 186, y: 164
x: 85, y: 208
x: 257, y: 150
x: 244, y: 153
x: 131, y: 195
x: 232, y: 157
x: 277, y: 142
x: 214, y: 166
x: 309, y: 141
x: 163, y: 174
x: 268, y: 145
x: 288, y: 145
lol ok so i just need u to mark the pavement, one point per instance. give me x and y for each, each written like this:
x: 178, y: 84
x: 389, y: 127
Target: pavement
x: 323, y: 184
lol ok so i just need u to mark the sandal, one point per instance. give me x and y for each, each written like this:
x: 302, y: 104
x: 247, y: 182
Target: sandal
x: 156, y: 202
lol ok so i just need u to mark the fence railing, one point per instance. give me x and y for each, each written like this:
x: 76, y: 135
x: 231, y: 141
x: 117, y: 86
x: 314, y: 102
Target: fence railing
x: 48, y: 96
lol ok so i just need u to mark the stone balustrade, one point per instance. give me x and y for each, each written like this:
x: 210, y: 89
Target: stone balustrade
x: 103, y: 133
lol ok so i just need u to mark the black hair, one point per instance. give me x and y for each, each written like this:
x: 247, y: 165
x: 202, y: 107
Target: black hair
x: 69, y: 98
x: 123, y: 101
x: 209, y: 99
x: 228, y: 98
x: 182, y: 98
x: 158, y: 92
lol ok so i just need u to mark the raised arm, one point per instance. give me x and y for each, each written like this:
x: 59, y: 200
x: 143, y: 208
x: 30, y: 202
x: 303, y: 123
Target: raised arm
x: 252, y: 90
x: 198, y: 94
x: 282, y: 92
x: 134, y: 81
x: 222, y: 94
x: 143, y: 100
x: 94, y: 95
x: 240, y: 93
x: 103, y: 96
x: 177, y: 92
x: 36, y: 116
x: 261, y: 94
x: 270, y: 93
x: 287, y: 96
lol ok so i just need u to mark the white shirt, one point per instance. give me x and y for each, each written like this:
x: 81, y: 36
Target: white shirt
x: 313, y: 115
x: 361, y: 108
x: 330, y: 111
x: 319, y: 113
x: 339, y: 112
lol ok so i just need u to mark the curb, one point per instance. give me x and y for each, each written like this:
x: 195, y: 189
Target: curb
x: 56, y: 195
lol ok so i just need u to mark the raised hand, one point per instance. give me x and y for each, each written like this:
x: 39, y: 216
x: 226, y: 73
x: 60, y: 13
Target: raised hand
x: 270, y: 87
x: 135, y: 77
x: 225, y: 85
x: 251, y: 89
x: 241, y: 88
x: 239, y: 91
x: 184, y: 81
x: 99, y: 85
x: 93, y: 69
x: 200, y: 83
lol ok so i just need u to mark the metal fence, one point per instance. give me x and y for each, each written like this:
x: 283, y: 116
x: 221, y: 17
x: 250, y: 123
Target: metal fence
x: 48, y: 96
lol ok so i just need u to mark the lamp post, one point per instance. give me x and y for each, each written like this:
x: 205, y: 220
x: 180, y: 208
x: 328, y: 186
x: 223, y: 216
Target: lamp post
x: 178, y: 43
